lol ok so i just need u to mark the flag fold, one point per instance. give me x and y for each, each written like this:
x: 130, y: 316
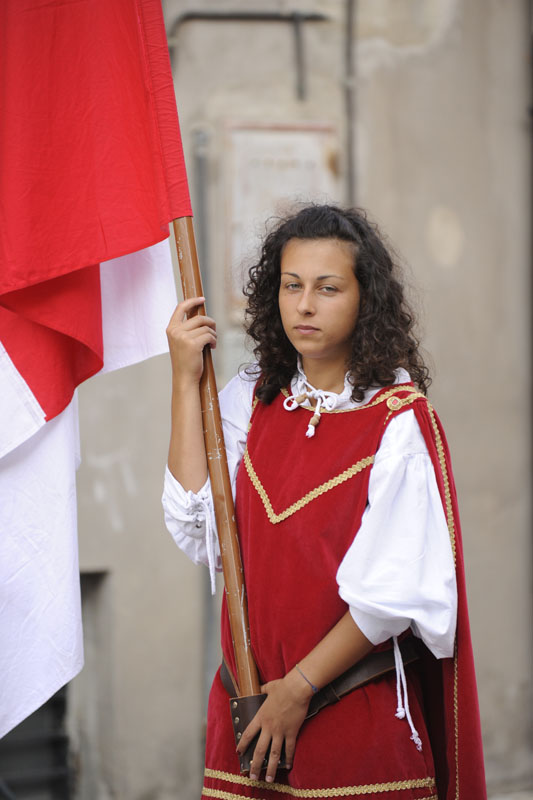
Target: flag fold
x: 92, y: 173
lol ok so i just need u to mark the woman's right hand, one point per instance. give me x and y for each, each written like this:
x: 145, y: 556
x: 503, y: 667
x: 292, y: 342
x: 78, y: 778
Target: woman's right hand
x: 187, y: 339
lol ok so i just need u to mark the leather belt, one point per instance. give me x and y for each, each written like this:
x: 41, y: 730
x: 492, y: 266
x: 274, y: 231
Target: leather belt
x: 373, y: 666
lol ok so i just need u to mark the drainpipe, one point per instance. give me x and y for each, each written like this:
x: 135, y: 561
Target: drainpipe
x: 350, y: 99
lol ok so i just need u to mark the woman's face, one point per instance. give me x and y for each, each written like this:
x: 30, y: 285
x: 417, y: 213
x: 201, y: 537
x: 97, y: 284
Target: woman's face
x: 319, y: 297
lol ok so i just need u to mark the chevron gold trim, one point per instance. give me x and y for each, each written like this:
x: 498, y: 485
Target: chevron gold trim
x: 312, y: 495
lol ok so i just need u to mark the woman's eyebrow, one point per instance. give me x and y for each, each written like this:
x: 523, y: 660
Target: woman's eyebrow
x: 318, y: 277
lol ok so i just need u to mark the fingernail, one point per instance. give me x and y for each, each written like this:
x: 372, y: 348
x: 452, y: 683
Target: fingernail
x: 254, y: 777
x: 269, y: 779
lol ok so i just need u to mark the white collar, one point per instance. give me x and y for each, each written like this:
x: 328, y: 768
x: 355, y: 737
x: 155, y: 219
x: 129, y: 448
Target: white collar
x: 305, y: 392
x: 300, y: 384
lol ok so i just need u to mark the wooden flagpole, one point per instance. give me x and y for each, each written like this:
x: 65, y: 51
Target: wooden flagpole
x: 191, y: 282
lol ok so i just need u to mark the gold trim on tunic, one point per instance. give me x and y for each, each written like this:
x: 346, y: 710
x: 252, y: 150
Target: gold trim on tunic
x: 374, y: 402
x: 307, y: 498
x: 339, y: 791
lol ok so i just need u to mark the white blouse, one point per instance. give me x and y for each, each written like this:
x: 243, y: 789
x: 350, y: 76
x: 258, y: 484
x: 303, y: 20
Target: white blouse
x: 399, y: 570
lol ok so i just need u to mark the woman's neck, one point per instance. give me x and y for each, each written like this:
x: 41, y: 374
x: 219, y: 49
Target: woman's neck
x: 325, y: 375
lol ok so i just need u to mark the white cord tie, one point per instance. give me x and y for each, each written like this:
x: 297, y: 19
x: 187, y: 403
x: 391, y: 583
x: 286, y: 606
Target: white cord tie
x: 210, y: 543
x: 402, y: 710
x: 326, y: 400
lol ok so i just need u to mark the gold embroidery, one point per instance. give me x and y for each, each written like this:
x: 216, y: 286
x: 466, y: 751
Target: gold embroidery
x: 445, y: 480
x: 312, y: 495
x: 376, y: 401
x: 395, y: 403
x: 339, y: 791
x: 222, y: 795
x: 254, y: 403
x: 451, y: 528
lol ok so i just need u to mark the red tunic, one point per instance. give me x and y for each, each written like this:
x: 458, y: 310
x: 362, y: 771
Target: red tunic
x: 299, y: 503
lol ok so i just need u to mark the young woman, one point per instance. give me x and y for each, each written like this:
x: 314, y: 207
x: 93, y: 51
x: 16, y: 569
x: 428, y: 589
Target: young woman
x: 347, y: 520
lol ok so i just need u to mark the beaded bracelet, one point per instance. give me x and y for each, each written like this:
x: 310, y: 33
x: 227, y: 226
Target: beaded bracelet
x: 312, y: 685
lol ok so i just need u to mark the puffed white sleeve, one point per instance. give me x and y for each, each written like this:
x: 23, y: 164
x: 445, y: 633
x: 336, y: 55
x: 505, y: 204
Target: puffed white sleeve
x: 399, y: 571
x: 189, y: 516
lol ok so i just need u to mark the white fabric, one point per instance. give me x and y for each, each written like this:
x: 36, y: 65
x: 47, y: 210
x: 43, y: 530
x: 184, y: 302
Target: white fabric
x: 415, y: 583
x: 40, y: 617
x: 399, y: 570
x: 138, y: 297
x: 20, y: 413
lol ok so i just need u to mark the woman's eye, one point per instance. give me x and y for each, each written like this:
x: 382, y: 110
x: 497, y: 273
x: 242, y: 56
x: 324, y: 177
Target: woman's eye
x: 328, y: 289
x: 292, y: 286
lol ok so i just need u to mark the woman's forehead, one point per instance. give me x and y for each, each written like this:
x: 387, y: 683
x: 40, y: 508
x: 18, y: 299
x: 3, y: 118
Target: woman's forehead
x: 311, y: 253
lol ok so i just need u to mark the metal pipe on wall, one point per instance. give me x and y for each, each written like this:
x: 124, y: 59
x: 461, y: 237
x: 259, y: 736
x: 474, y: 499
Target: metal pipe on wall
x: 350, y: 99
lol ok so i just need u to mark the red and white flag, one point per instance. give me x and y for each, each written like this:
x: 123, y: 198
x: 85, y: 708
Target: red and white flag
x: 91, y: 173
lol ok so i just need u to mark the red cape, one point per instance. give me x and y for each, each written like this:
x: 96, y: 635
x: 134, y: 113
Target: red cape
x: 452, y: 708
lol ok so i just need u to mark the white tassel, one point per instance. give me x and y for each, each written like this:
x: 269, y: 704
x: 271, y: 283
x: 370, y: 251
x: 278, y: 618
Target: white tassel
x: 326, y: 399
x: 402, y: 710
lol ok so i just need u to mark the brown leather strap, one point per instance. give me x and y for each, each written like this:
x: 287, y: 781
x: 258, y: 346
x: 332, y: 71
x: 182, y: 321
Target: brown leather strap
x: 373, y: 666
x: 228, y: 679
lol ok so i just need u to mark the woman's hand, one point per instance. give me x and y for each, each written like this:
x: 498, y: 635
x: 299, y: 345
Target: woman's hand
x: 281, y: 716
x: 187, y: 339
x: 279, y: 719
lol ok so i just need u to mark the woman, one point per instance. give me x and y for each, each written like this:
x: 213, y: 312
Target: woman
x: 346, y: 513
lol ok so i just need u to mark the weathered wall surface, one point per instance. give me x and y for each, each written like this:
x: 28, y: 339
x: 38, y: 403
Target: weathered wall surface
x: 144, y: 616
x: 443, y: 162
x: 442, y: 159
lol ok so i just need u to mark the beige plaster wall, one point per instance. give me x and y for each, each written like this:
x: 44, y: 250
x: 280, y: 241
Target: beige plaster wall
x: 149, y: 728
x: 443, y: 152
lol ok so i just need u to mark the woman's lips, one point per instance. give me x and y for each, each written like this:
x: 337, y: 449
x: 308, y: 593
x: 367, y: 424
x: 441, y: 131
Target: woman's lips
x: 306, y: 329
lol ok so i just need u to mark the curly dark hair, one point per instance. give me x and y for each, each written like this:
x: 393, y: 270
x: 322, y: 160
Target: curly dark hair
x: 383, y: 338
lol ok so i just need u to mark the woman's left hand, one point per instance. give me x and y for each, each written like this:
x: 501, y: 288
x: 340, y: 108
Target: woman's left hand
x: 279, y: 720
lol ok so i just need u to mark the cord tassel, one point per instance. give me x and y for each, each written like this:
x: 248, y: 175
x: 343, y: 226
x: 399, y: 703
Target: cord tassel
x: 315, y: 419
x: 328, y: 400
x: 402, y: 710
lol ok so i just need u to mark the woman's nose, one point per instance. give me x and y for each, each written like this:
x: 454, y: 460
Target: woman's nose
x: 305, y: 303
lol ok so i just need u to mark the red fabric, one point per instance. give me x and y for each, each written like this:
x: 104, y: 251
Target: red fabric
x: 92, y: 168
x: 53, y: 333
x: 356, y: 746
x: 315, y: 538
